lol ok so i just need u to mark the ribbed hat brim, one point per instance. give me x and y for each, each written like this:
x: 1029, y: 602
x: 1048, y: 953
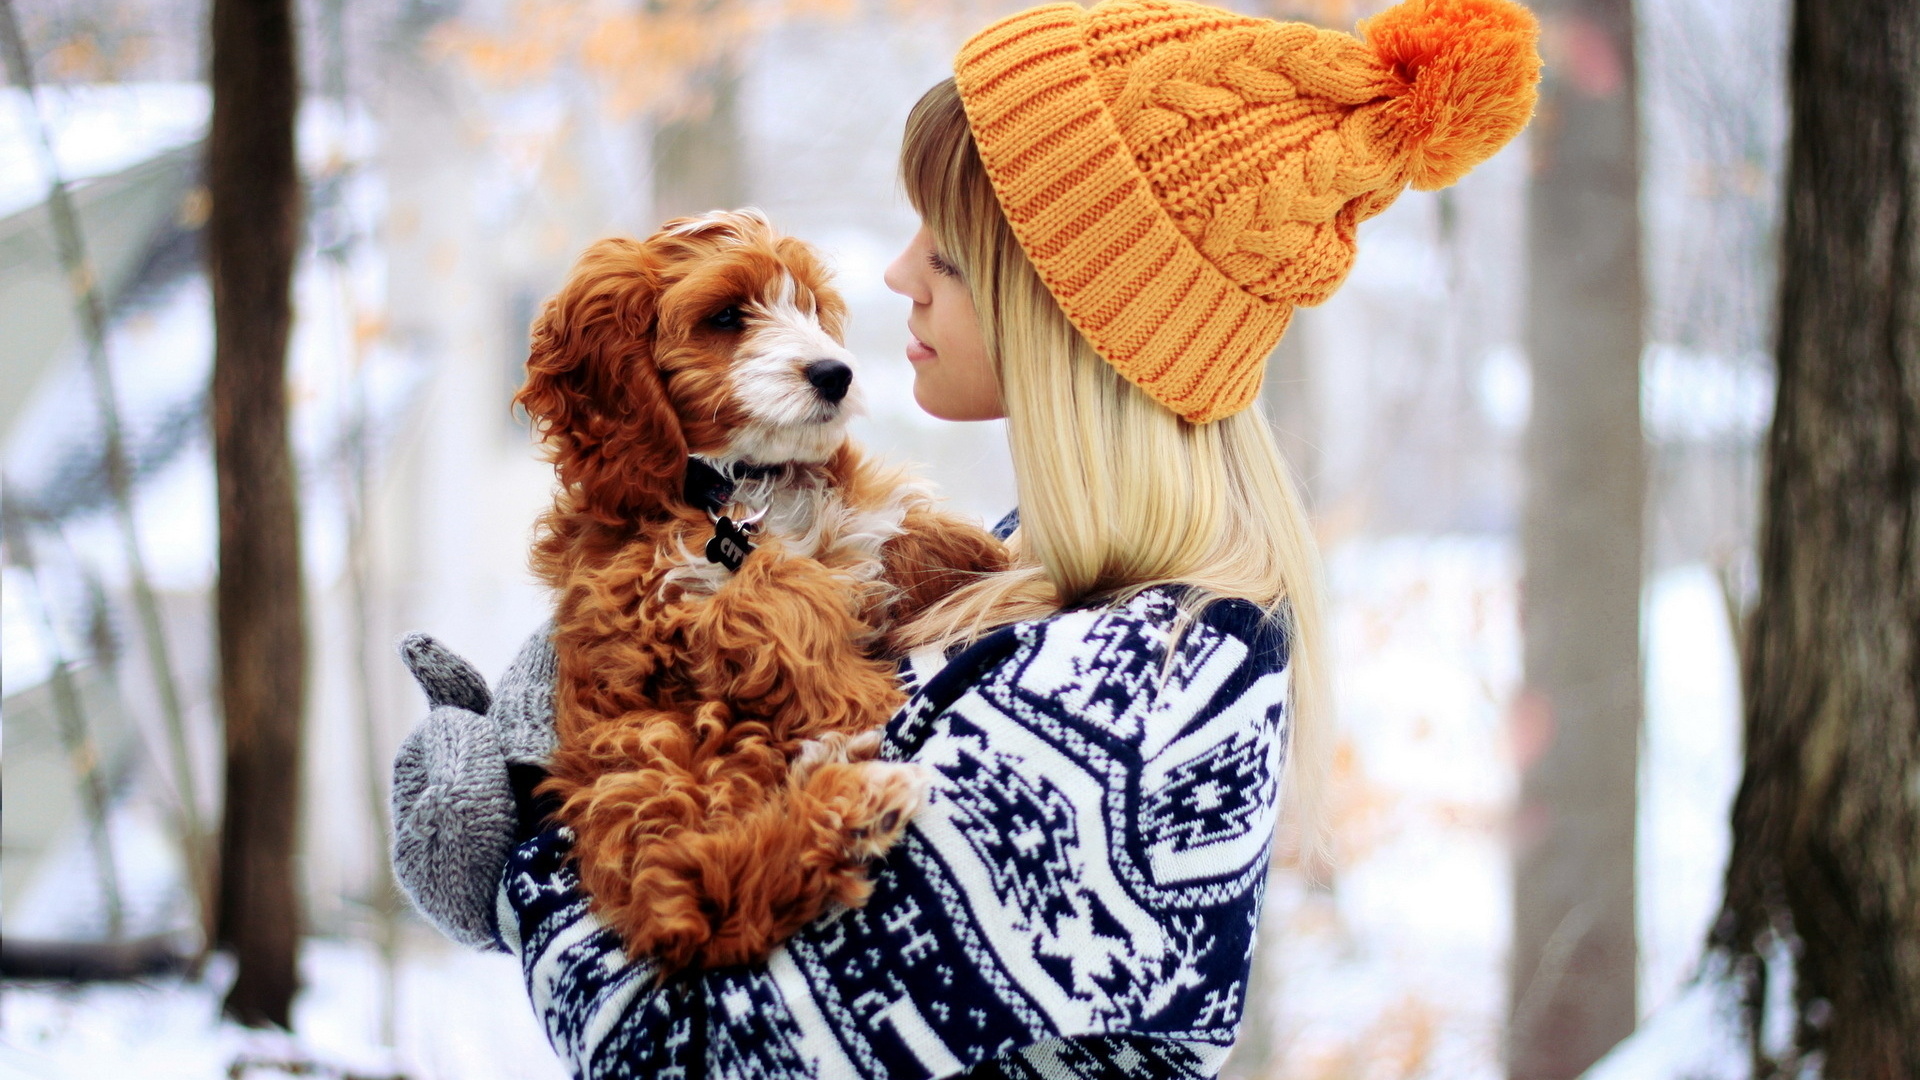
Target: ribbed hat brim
x: 1146, y: 299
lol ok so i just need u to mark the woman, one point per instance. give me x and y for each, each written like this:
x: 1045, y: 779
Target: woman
x: 1120, y: 208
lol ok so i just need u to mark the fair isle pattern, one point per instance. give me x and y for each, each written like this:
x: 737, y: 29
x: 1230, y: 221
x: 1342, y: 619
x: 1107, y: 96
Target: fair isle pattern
x: 1117, y: 1057
x: 1078, y: 898
x: 1182, y: 176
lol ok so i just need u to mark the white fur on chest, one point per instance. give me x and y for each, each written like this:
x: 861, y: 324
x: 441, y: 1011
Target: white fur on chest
x: 811, y: 520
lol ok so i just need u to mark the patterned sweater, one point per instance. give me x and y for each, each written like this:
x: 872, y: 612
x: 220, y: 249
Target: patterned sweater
x: 1077, y: 899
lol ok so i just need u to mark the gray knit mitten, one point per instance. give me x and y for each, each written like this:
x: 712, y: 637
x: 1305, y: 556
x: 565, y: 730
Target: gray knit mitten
x: 522, y: 707
x: 453, y: 806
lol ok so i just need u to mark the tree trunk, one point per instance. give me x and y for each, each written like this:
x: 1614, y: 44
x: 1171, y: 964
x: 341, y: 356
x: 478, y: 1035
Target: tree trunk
x: 699, y: 160
x: 252, y: 236
x: 1578, y: 717
x: 1826, y: 852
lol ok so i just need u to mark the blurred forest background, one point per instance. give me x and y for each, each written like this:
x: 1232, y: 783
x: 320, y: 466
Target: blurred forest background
x: 456, y: 154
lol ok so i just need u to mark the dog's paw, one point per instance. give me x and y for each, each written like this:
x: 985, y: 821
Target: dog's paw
x: 864, y: 746
x: 834, y: 747
x: 891, y: 795
x: 812, y: 754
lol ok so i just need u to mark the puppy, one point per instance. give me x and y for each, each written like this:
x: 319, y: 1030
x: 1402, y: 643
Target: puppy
x: 725, y: 563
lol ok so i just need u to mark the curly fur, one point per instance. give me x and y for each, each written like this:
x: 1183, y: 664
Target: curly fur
x: 717, y: 730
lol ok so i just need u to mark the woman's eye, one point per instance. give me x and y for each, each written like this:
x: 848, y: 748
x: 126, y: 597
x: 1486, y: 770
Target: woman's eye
x: 727, y: 318
x: 940, y: 265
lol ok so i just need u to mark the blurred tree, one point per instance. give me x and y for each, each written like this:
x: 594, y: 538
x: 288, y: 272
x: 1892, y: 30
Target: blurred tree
x: 698, y: 158
x: 253, y: 231
x: 1578, y: 717
x: 85, y: 41
x: 1825, y: 868
x: 650, y: 57
x: 1340, y: 14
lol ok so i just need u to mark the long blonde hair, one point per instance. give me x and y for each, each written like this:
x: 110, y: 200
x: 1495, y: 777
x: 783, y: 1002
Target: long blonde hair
x: 1116, y: 492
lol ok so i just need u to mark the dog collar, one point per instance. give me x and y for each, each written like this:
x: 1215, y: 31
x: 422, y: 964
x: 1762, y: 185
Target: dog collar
x: 712, y: 490
x: 707, y: 487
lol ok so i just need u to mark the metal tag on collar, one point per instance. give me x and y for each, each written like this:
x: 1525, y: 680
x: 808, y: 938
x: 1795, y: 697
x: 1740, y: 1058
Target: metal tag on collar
x: 730, y: 545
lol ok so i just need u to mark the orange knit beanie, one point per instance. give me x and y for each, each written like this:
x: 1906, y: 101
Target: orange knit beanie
x: 1182, y: 176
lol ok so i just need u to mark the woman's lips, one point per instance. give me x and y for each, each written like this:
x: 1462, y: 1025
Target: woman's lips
x: 917, y: 350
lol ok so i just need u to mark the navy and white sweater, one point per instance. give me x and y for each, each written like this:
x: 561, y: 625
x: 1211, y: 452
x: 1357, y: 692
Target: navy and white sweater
x: 1078, y: 898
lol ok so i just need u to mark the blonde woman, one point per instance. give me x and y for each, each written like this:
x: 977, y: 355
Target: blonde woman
x: 1121, y: 206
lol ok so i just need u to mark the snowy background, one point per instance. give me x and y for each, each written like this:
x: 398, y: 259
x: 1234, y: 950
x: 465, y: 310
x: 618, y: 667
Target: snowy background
x: 459, y: 154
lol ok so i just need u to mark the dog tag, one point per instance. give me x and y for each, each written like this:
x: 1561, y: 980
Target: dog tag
x: 729, y: 546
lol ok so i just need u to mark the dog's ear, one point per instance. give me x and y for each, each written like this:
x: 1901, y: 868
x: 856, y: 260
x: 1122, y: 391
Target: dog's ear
x: 594, y: 393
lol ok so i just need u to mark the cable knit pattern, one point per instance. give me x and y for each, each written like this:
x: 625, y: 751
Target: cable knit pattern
x: 453, y: 816
x: 1183, y: 176
x: 522, y: 710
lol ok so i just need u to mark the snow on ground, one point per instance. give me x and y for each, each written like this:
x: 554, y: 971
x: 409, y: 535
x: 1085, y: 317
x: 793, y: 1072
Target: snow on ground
x: 1695, y: 1036
x: 1689, y: 771
x: 462, y: 1016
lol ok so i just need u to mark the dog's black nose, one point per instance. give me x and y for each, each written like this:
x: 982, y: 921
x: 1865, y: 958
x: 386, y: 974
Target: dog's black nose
x: 830, y: 377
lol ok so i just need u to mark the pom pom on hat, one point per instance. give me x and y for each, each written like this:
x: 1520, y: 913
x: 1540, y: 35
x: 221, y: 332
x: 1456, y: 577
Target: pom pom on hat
x: 1470, y: 69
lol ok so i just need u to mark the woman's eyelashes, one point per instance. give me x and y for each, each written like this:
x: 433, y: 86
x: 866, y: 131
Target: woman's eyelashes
x: 940, y: 265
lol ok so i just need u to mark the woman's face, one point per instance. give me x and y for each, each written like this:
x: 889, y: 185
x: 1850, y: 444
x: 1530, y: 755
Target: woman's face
x: 951, y: 376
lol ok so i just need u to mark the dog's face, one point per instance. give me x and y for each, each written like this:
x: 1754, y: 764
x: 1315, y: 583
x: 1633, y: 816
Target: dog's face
x: 715, y: 336
x: 747, y: 341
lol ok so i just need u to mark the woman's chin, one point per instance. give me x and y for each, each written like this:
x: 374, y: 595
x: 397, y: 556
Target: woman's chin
x: 929, y: 402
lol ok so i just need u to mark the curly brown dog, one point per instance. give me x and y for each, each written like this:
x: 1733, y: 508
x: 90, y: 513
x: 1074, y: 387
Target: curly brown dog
x: 717, y: 725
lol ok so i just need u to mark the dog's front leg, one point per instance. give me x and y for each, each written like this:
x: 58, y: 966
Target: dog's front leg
x: 935, y: 554
x: 783, y: 642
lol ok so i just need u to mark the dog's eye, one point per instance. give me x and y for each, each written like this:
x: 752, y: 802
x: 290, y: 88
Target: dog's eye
x: 727, y: 318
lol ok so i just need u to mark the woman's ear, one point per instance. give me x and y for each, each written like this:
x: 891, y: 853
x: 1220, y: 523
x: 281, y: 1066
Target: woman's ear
x: 594, y: 393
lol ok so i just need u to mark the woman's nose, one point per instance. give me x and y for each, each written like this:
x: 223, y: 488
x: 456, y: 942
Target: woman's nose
x: 907, y: 274
x: 899, y: 277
